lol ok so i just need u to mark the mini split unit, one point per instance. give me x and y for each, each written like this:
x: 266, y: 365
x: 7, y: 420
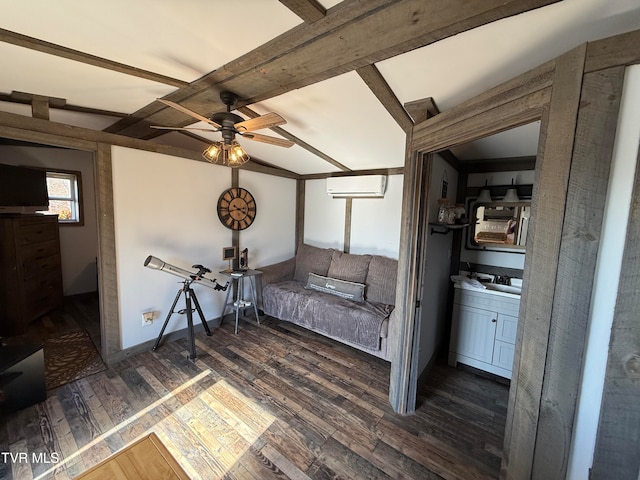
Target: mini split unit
x: 357, y: 186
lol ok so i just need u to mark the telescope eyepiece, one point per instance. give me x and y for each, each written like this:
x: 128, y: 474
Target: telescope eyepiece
x: 201, y: 269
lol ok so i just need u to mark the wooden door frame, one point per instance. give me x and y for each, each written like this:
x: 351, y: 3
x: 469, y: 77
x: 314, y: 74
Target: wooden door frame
x: 575, y: 139
x: 107, y: 274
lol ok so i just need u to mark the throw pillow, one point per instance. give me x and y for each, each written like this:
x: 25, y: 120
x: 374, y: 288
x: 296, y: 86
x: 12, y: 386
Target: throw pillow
x: 381, y: 280
x: 311, y: 259
x: 348, y: 290
x: 346, y: 266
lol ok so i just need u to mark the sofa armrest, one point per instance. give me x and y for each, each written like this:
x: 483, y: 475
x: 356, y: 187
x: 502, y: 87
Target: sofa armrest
x: 278, y: 272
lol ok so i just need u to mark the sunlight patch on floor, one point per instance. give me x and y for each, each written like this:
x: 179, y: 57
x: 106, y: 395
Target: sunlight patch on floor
x: 126, y: 422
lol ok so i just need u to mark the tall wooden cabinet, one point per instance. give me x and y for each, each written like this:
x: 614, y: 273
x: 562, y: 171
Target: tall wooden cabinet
x: 30, y: 270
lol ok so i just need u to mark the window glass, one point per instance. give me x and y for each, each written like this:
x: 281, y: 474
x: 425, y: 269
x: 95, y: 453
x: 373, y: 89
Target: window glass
x: 64, y: 196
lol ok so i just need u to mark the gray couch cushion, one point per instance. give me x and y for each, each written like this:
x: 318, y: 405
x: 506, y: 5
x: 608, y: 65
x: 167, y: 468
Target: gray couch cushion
x: 333, y: 286
x: 311, y: 259
x: 345, y: 266
x: 381, y: 280
x: 358, y: 323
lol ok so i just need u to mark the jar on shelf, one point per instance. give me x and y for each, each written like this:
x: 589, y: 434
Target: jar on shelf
x: 446, y: 212
x: 460, y: 214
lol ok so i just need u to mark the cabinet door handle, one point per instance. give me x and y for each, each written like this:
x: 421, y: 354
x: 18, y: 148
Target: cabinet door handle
x: 493, y: 320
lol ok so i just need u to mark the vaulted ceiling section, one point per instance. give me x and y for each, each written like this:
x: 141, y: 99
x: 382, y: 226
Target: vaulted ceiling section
x: 351, y: 77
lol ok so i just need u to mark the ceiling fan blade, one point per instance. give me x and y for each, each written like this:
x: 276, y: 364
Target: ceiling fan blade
x: 280, y: 142
x: 184, y: 128
x: 267, y: 120
x: 189, y: 112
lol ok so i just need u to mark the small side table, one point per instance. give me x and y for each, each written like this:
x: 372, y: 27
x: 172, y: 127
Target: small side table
x: 241, y: 303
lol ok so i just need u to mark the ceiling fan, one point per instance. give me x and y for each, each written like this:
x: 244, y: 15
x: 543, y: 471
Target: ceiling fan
x: 229, y: 124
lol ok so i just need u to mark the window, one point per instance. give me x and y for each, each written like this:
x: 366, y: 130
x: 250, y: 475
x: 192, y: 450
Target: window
x: 64, y: 188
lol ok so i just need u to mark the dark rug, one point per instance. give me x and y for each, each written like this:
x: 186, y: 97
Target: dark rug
x: 70, y: 356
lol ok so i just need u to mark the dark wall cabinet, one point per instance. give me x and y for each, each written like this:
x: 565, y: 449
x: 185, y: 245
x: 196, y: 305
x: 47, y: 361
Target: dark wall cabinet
x: 30, y: 269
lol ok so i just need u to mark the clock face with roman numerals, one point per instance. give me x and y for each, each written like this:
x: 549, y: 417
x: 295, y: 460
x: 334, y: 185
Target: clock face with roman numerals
x: 236, y: 208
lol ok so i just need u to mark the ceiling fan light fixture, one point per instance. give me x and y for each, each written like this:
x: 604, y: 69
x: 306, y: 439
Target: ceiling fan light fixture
x: 232, y: 155
x: 236, y: 155
x: 212, y: 152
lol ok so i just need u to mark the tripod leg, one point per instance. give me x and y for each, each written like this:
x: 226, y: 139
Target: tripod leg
x: 252, y: 284
x: 226, y: 301
x: 192, y: 343
x: 240, y: 286
x: 167, y: 320
x: 204, y: 323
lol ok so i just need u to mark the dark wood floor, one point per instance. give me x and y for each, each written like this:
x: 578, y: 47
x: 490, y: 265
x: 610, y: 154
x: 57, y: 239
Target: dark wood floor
x: 274, y: 401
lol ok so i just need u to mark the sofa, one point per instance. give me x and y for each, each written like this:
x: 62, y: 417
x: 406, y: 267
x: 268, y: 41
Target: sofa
x: 346, y: 297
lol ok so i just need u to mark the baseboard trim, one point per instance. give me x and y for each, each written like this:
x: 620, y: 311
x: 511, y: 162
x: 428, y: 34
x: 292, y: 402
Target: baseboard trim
x: 166, y: 338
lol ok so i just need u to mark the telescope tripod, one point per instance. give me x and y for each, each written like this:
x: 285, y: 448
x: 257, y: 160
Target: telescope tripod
x: 189, y: 295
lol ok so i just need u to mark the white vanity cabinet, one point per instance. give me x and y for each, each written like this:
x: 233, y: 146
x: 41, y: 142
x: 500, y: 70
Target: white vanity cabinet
x: 483, y: 331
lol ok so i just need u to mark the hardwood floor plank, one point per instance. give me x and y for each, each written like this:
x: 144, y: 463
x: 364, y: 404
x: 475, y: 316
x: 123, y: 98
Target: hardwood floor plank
x: 447, y: 463
x: 298, y: 443
x: 283, y: 463
x: 65, y: 444
x: 20, y: 469
x: 273, y: 402
x: 347, y: 463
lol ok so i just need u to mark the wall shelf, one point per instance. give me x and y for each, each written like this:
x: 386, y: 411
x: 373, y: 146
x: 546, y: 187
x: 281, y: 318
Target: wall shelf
x: 444, y: 228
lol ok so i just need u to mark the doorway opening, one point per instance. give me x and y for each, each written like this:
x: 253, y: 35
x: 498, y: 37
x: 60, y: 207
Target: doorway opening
x: 452, y: 333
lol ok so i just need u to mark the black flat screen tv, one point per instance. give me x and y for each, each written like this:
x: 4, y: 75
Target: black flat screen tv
x: 22, y: 189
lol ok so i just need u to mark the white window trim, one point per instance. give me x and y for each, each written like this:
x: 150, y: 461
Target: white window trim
x: 75, y: 198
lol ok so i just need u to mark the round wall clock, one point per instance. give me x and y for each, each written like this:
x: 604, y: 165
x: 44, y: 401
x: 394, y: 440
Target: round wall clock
x: 236, y: 208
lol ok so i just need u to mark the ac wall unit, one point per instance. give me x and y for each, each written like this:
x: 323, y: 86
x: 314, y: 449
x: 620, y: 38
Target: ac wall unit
x: 357, y: 186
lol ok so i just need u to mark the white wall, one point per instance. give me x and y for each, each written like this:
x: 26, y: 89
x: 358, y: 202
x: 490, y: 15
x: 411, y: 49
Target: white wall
x: 437, y: 265
x: 324, y: 217
x: 78, y: 244
x: 498, y: 259
x: 608, y: 267
x: 375, y: 222
x: 166, y: 207
x: 271, y: 237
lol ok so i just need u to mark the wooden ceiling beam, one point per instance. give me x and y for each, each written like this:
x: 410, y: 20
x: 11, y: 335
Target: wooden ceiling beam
x: 20, y: 127
x: 40, y: 107
x: 58, y: 103
x: 24, y: 97
x: 352, y: 35
x: 75, y: 55
x: 309, y: 11
x: 421, y: 110
x: 381, y: 89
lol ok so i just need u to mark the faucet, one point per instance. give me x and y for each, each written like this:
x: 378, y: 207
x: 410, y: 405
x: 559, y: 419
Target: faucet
x: 471, y: 273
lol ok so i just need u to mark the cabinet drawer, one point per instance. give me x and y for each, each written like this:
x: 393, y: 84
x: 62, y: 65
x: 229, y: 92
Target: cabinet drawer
x: 36, y: 232
x: 503, y: 355
x: 46, y: 300
x: 507, y: 328
x: 34, y: 287
x: 35, y: 251
x: 486, y: 301
x: 41, y: 266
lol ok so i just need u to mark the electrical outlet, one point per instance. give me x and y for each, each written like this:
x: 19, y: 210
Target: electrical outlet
x: 147, y: 318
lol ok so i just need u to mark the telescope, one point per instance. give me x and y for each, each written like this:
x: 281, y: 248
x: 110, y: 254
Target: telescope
x: 189, y: 297
x: 199, y: 276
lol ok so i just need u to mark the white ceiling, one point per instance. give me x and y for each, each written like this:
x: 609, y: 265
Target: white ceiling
x: 340, y: 116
